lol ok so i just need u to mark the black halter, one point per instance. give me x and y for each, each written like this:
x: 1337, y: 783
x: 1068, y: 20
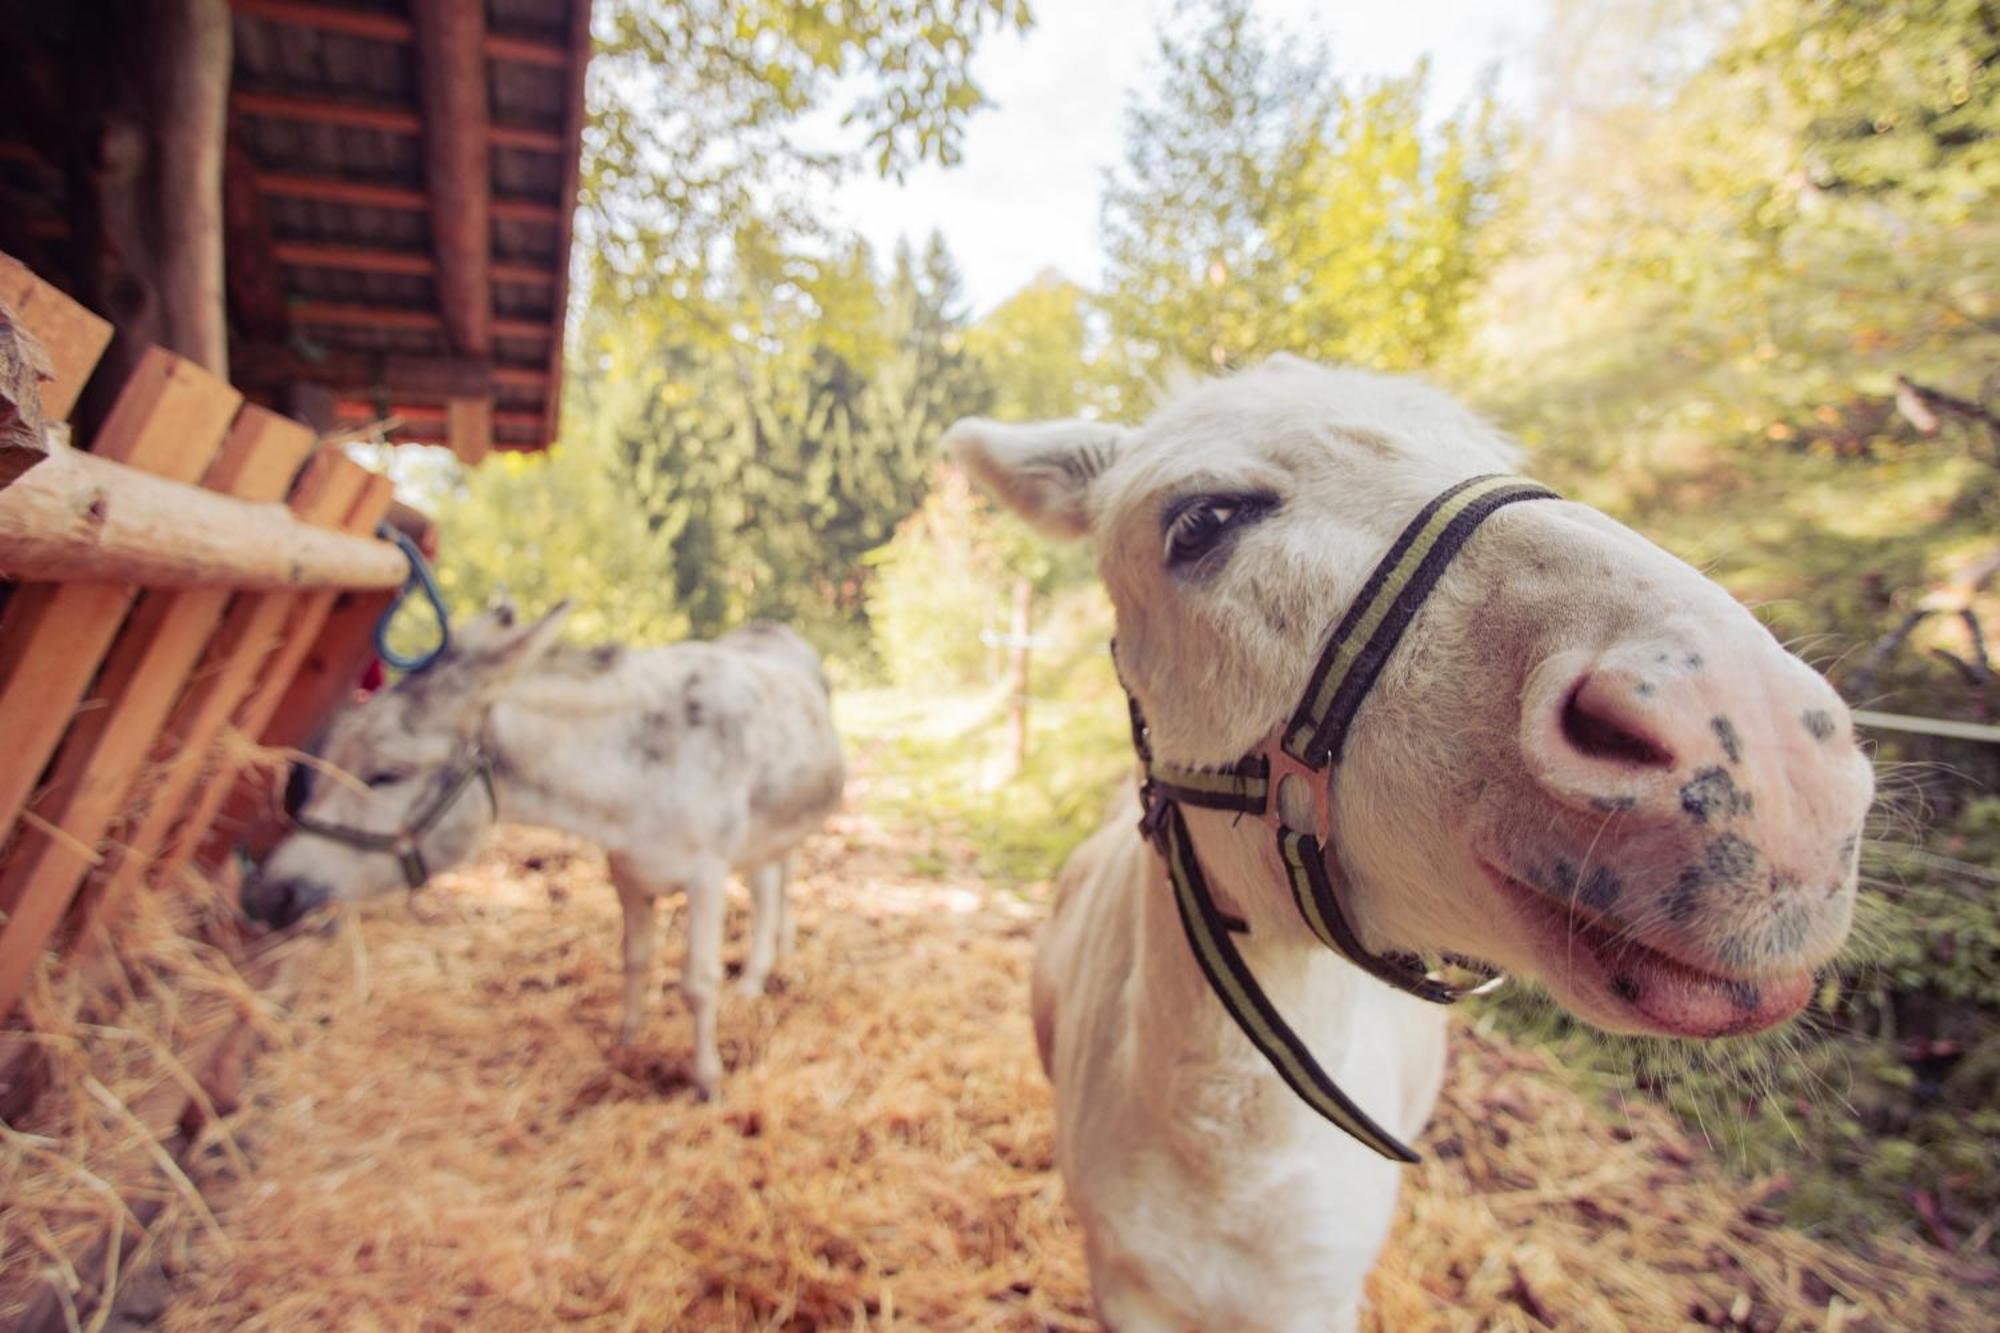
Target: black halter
x: 1308, y: 746
x: 403, y: 843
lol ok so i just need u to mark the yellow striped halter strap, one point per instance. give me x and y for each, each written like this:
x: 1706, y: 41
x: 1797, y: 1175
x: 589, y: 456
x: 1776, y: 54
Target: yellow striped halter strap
x: 1308, y: 746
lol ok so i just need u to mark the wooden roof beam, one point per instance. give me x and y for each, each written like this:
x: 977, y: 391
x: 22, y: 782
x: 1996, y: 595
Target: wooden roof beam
x: 370, y: 194
x: 408, y: 263
x: 394, y: 28
x: 451, y: 87
x: 377, y: 116
x: 366, y: 372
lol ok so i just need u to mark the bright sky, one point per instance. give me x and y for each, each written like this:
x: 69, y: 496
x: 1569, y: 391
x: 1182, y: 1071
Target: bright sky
x: 1026, y: 196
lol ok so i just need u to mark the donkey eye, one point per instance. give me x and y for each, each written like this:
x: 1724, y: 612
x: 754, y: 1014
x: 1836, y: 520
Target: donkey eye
x: 385, y: 778
x: 1197, y: 525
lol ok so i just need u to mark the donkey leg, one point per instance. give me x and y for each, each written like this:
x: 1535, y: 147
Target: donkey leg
x: 636, y: 897
x: 701, y: 976
x: 787, y: 927
x: 767, y: 893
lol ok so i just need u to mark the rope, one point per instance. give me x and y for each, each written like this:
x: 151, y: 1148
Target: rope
x: 422, y: 580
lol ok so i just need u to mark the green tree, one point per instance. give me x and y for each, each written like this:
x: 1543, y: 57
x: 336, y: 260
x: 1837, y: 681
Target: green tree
x: 1034, y: 349
x: 707, y: 114
x: 1263, y: 209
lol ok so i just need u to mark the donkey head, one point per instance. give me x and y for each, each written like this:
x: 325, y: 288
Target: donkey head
x: 396, y: 783
x: 1585, y: 762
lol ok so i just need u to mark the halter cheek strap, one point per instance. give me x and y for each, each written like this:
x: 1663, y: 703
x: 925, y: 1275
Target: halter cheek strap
x: 1308, y: 747
x: 403, y: 843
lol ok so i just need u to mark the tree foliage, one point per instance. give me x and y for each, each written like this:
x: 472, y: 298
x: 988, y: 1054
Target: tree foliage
x: 1263, y: 208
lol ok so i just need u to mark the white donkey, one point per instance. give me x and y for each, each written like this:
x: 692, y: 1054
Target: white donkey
x: 1390, y: 711
x: 682, y: 762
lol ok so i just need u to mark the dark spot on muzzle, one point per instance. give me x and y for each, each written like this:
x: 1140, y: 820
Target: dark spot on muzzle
x: 1725, y: 731
x: 1713, y: 794
x: 1819, y: 723
x: 1625, y: 988
x: 282, y: 902
x: 1728, y: 860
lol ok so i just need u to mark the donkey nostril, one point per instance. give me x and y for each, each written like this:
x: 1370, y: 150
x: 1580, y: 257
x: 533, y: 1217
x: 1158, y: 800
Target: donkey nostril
x: 1597, y: 732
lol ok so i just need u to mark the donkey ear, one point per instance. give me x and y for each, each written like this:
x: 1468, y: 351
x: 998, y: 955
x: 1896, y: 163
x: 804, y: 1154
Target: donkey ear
x: 497, y: 646
x: 1043, y: 471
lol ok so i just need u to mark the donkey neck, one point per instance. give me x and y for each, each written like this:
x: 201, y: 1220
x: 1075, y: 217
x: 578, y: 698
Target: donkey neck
x: 560, y: 767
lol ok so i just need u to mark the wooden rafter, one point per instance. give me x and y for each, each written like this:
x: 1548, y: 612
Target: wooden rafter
x: 410, y: 263
x: 377, y: 116
x: 378, y: 27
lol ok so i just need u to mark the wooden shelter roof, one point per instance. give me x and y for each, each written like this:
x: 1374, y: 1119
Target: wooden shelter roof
x: 399, y: 188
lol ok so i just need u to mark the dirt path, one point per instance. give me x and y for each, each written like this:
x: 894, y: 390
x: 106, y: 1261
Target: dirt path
x: 443, y: 1141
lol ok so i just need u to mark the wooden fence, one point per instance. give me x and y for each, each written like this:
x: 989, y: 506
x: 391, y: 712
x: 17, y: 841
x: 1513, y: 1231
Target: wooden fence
x: 199, y: 571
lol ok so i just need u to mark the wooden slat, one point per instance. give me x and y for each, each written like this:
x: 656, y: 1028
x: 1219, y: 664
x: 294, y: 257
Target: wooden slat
x: 326, y: 111
x: 354, y: 315
x: 382, y: 116
x: 409, y: 263
x: 356, y: 258
x: 169, y: 419
x: 528, y: 210
x: 71, y: 337
x: 335, y: 190
x: 250, y: 631
x: 302, y: 626
x: 101, y: 758
x: 394, y: 28
x: 328, y: 18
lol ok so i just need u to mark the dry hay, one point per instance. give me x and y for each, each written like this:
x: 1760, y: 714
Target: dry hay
x: 440, y: 1139
x: 112, y: 1080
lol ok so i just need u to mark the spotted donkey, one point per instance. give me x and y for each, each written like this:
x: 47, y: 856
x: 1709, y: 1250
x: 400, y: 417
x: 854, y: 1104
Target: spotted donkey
x: 1528, y: 737
x: 683, y: 763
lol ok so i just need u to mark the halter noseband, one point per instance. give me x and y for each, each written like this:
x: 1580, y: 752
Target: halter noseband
x: 403, y: 844
x: 1308, y: 746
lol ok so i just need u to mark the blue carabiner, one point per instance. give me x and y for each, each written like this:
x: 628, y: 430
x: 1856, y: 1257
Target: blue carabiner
x: 421, y: 579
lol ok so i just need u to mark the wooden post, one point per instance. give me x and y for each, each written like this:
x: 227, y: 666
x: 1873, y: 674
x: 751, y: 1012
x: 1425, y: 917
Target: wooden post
x: 190, y: 111
x: 110, y: 738
x: 1017, y: 675
x: 170, y: 419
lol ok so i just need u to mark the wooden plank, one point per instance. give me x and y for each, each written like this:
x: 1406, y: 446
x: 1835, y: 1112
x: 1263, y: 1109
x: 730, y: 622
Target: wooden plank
x: 328, y: 18
x: 109, y: 740
x: 302, y: 626
x: 385, y: 117
x: 451, y: 88
x: 469, y: 428
x: 170, y: 419
x: 250, y: 631
x: 78, y: 519
x: 358, y: 412
x: 357, y: 315
x: 382, y: 116
x: 573, y: 120
x: 336, y: 190
x: 71, y: 336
